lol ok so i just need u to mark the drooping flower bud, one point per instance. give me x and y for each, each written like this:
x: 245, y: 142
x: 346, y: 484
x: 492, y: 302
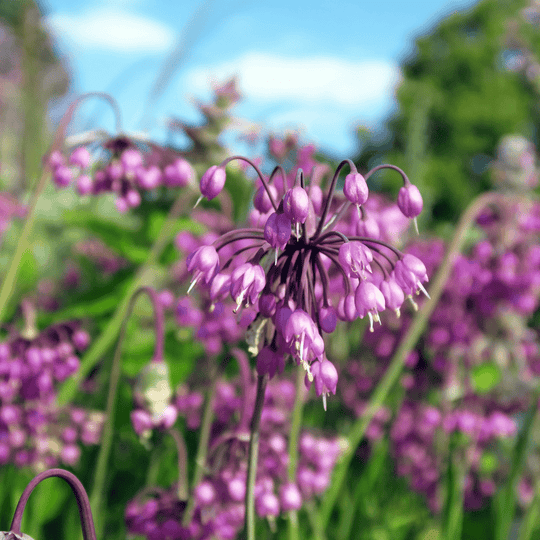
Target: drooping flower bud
x: 355, y: 188
x: 247, y: 282
x: 296, y: 204
x: 410, y: 272
x: 62, y: 176
x: 325, y: 377
x: 148, y: 178
x: 212, y: 182
x: 80, y: 157
x: 368, y: 227
x: 346, y: 309
x: 85, y: 184
x: 327, y: 319
x: 316, y: 196
x: 267, y: 504
x: 410, y: 201
x: 277, y: 230
x: 180, y: 173
x: 267, y: 304
x: 204, y: 263
x: 393, y: 294
x: 369, y: 299
x: 303, y: 338
x: 290, y: 497
x: 131, y: 160
x: 261, y: 200
x: 269, y: 361
x: 355, y: 258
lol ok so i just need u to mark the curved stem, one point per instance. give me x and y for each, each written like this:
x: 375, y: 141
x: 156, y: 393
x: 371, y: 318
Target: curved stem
x: 253, y: 456
x: 105, y: 340
x: 85, y: 511
x: 408, y: 342
x: 98, y: 496
x: 387, y: 166
x: 280, y: 169
x: 23, y: 245
x: 259, y: 173
x: 331, y: 194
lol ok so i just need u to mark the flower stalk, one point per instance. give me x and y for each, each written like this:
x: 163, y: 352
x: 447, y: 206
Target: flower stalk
x: 410, y: 339
x: 85, y: 511
x: 98, y: 496
x: 253, y: 455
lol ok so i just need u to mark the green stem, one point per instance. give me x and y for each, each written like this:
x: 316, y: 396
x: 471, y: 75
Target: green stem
x: 315, y: 521
x: 530, y: 519
x: 253, y: 456
x: 398, y: 361
x: 10, y: 279
x: 294, y: 434
x: 182, y: 489
x: 98, y: 495
x: 202, y: 449
x: 505, y: 501
x: 106, y: 339
x: 452, y: 522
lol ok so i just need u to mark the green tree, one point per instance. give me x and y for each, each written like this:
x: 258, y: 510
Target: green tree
x: 457, y: 98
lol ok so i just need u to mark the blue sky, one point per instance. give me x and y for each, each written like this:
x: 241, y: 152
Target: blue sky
x: 321, y: 67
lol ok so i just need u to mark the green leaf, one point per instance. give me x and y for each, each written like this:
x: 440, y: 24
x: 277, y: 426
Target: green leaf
x: 485, y: 377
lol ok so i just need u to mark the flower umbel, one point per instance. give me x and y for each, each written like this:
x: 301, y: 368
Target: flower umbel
x: 303, y: 265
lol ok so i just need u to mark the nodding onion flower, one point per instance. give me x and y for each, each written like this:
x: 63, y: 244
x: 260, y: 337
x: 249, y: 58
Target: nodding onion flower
x: 304, y: 264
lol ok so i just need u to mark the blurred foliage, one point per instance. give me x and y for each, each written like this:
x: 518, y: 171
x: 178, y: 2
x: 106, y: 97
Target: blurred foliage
x: 456, y: 101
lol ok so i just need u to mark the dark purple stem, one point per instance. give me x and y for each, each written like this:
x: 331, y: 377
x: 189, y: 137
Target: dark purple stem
x: 406, y: 180
x: 331, y: 194
x: 259, y: 173
x: 278, y: 168
x: 83, y: 503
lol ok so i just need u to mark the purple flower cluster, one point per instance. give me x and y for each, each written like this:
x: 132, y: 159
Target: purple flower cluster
x: 306, y: 261
x: 420, y: 431
x: 219, y: 498
x: 124, y: 170
x: 34, y: 432
x: 478, y: 331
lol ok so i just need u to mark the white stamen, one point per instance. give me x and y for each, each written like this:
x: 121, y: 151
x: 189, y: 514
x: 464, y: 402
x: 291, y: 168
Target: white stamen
x: 421, y: 287
x: 201, y: 197
x: 306, y: 366
x: 193, y: 283
x: 413, y: 303
x: 239, y: 301
x: 416, y: 226
x: 324, y: 400
x: 370, y: 321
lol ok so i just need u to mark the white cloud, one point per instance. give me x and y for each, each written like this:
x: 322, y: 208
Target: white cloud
x: 112, y: 29
x: 313, y: 79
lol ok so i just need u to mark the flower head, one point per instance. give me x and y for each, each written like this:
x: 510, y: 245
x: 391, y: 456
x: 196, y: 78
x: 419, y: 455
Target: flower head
x: 293, y: 280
